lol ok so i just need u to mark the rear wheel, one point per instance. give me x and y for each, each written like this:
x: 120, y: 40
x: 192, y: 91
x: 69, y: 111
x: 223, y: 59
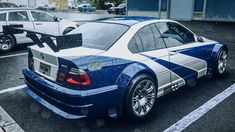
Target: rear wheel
x: 7, y: 42
x: 221, y: 62
x: 140, y: 97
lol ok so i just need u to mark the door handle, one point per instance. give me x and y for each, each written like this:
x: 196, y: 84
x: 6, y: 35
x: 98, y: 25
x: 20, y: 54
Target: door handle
x: 173, y: 53
x: 38, y: 23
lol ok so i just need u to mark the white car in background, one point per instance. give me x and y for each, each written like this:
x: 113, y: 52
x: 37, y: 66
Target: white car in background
x: 31, y: 19
x: 48, y: 7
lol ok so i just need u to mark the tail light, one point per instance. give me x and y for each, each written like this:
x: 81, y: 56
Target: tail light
x: 75, y: 76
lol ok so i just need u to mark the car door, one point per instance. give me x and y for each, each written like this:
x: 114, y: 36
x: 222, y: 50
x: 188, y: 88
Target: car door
x: 20, y: 17
x: 3, y: 16
x: 181, y: 44
x: 149, y: 43
x: 45, y: 22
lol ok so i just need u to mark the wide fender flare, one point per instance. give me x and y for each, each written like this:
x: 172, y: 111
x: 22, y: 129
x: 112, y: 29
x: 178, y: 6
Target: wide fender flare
x: 215, y: 52
x: 129, y: 73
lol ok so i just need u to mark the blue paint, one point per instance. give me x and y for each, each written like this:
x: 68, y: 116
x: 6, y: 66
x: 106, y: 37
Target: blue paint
x: 127, y: 20
x: 214, y: 54
x: 200, y: 52
x: 98, y: 105
x: 181, y: 71
x: 115, y: 75
x: 124, y: 79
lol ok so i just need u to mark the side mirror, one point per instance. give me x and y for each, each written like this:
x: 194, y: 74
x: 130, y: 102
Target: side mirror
x: 200, y: 39
x: 56, y: 19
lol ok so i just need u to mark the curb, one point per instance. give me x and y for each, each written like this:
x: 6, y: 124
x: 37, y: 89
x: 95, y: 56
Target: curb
x: 7, y: 124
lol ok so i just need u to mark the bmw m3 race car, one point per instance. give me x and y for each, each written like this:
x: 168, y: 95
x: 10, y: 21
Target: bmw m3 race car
x: 119, y: 66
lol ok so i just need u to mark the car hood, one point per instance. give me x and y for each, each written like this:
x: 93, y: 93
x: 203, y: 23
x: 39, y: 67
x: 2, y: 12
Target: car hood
x: 67, y: 21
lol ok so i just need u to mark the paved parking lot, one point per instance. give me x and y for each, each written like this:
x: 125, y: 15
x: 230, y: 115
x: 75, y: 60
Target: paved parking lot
x: 170, y: 109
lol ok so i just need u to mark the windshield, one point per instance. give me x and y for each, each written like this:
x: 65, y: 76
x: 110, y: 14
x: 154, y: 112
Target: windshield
x: 122, y: 5
x: 100, y: 35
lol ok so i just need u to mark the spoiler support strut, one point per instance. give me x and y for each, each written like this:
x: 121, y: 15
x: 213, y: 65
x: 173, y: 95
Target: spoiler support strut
x: 62, y: 42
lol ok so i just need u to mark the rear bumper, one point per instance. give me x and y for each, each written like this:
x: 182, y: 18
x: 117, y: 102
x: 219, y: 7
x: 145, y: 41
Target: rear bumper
x: 73, y: 104
x: 51, y: 107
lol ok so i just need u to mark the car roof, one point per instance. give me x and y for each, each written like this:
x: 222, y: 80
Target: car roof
x: 7, y: 3
x: 126, y: 20
x: 18, y: 8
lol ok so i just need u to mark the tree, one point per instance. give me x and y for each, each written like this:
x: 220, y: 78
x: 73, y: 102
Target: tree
x: 79, y: 1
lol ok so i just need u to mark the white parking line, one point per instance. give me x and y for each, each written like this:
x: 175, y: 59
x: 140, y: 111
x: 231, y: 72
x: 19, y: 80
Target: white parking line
x: 7, y: 56
x: 199, y: 112
x: 12, y: 89
x: 8, y: 124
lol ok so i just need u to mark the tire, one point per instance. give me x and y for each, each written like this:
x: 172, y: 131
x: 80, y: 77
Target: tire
x: 7, y: 42
x: 221, y: 63
x: 139, y: 101
x: 116, y: 13
x: 123, y: 13
x: 67, y: 30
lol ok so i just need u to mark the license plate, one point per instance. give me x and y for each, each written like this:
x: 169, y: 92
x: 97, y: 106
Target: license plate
x: 45, y: 69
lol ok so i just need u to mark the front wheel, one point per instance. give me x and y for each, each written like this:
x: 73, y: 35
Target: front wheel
x: 140, y: 97
x: 7, y: 42
x: 221, y: 62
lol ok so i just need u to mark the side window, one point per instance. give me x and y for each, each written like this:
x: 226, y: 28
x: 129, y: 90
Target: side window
x: 135, y: 45
x: 18, y: 16
x: 170, y: 37
x: 147, y: 38
x: 174, y: 34
x: 3, y: 17
x: 160, y: 44
x: 185, y: 34
x: 42, y: 17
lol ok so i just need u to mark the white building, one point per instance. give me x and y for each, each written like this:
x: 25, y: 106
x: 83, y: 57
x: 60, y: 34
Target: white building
x: 29, y: 3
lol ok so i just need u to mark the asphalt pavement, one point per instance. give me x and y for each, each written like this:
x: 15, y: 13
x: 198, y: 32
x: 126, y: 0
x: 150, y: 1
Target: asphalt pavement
x: 32, y: 117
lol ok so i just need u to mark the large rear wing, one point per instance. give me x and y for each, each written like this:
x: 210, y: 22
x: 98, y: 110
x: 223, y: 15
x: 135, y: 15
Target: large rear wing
x: 62, y: 41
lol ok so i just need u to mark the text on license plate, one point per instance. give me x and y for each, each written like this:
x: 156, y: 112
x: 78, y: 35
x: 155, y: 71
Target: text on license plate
x: 44, y: 69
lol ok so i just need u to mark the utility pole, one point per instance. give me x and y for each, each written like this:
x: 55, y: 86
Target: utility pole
x: 126, y: 7
x: 168, y: 9
x: 159, y: 8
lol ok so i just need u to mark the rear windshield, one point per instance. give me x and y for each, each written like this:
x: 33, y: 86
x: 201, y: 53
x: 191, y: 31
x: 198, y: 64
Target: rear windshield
x: 100, y: 35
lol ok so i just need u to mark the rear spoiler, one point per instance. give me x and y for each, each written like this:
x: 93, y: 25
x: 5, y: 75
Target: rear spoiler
x: 62, y: 41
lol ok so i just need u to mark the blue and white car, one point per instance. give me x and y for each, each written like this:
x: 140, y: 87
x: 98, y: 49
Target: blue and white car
x: 122, y: 67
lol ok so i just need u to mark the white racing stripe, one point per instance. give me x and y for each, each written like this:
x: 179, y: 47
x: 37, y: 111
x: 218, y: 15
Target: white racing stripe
x: 199, y: 112
x: 7, y: 56
x: 12, y: 89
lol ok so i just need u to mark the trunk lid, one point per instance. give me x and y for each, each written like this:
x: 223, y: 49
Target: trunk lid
x: 46, y: 62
